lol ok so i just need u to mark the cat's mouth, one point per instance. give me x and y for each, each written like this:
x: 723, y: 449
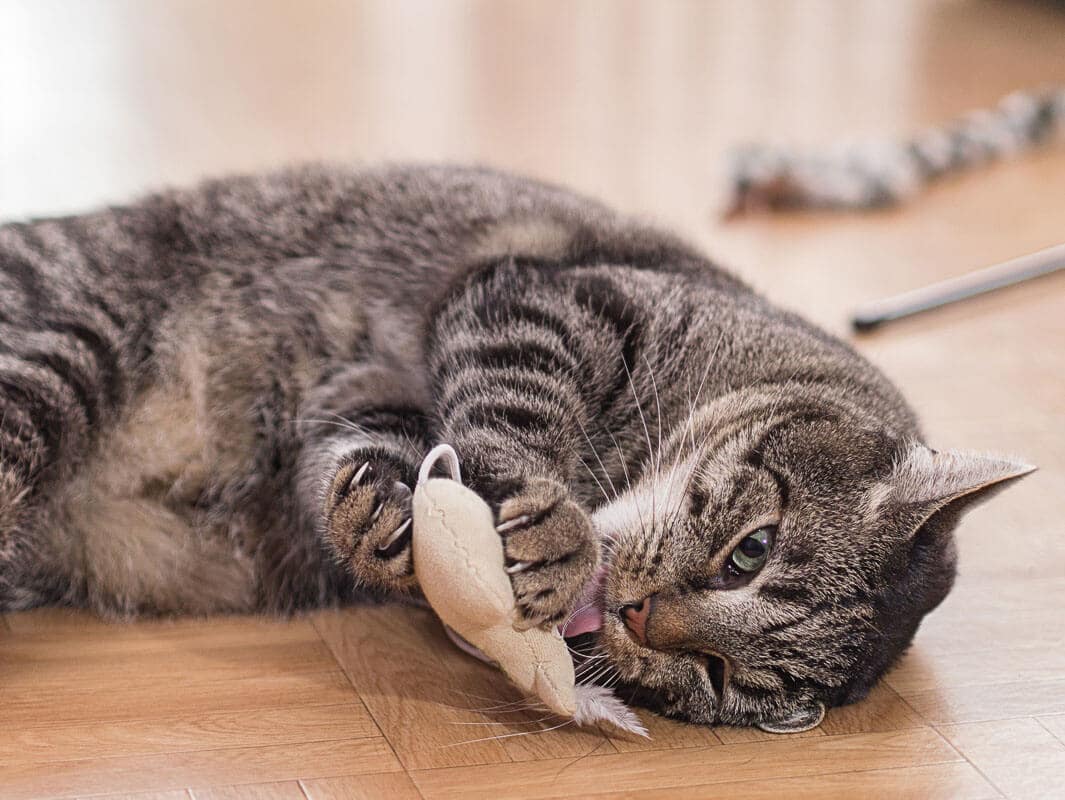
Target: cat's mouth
x: 587, y: 617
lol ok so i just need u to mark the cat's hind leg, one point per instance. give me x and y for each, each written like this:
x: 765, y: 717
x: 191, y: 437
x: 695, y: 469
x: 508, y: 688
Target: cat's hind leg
x: 364, y: 434
x: 59, y: 381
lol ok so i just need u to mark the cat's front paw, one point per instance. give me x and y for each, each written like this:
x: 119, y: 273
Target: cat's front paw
x: 368, y: 520
x: 550, y: 548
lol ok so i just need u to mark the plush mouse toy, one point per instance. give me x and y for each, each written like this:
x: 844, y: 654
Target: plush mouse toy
x: 458, y: 557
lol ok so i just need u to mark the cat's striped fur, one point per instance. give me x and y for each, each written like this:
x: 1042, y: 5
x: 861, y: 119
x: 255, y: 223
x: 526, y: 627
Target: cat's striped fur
x: 214, y: 400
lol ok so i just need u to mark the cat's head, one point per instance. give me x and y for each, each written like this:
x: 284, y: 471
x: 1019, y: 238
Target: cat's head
x: 778, y: 558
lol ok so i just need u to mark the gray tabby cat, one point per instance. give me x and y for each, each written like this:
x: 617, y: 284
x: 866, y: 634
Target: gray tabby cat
x: 215, y: 400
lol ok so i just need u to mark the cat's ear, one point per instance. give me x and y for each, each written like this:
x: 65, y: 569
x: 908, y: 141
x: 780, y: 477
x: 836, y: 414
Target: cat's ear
x: 802, y: 719
x: 924, y: 482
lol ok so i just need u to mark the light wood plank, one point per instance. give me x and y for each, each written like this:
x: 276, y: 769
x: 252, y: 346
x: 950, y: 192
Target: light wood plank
x: 33, y: 664
x: 666, y: 734
x: 174, y: 795
x: 75, y: 625
x: 1055, y: 724
x: 1020, y: 757
x: 201, y: 768
x: 946, y: 703
x: 730, y: 735
x: 197, y: 731
x: 287, y: 790
x: 427, y: 697
x: 392, y: 785
x: 881, y: 710
x: 950, y: 781
x: 46, y: 707
x: 982, y: 613
x: 923, y: 671
x: 416, y: 685
x: 666, y: 769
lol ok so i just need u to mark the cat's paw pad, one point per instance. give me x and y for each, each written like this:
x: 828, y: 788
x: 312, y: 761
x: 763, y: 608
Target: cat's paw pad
x: 550, y: 549
x: 368, y: 520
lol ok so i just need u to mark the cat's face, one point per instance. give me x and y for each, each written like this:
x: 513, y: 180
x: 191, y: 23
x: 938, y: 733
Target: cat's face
x: 777, y: 560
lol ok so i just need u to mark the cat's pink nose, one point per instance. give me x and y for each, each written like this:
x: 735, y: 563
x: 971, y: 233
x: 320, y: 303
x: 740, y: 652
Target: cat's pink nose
x: 634, y: 615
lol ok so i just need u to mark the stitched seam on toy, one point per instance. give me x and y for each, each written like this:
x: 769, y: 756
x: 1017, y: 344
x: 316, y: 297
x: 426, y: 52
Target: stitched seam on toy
x: 471, y: 568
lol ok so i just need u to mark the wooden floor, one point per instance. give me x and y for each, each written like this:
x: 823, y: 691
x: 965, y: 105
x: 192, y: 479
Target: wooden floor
x: 635, y: 103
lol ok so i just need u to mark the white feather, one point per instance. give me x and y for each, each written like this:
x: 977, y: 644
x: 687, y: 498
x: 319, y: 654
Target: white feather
x: 599, y: 704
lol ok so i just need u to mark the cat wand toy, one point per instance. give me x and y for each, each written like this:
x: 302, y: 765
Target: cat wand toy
x: 918, y: 301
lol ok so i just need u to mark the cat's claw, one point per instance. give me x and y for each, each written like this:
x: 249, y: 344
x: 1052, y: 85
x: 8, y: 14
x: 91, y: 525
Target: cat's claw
x: 395, y: 542
x: 510, y: 524
x: 369, y: 522
x: 356, y: 479
x: 401, y: 492
x: 549, y: 548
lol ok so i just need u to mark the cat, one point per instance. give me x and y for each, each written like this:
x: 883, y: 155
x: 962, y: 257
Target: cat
x: 216, y: 399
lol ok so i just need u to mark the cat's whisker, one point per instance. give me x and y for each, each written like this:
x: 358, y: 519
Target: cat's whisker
x: 342, y: 418
x: 623, y: 460
x: 569, y: 619
x: 610, y: 679
x: 639, y: 408
x: 601, y: 671
x: 586, y: 656
x: 602, y: 466
x: 628, y: 482
x: 584, y: 669
x: 498, y: 723
x: 524, y: 708
x: 585, y: 653
x: 589, y: 658
x: 511, y: 735
x: 311, y: 420
x: 474, y: 696
x: 699, y: 390
x: 709, y: 363
x: 594, y: 478
x: 676, y: 462
x: 658, y: 405
x: 588, y: 663
x: 594, y: 668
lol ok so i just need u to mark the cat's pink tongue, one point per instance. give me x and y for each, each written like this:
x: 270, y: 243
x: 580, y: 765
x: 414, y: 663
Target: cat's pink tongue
x: 589, y: 614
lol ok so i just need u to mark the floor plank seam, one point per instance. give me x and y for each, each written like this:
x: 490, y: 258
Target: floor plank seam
x: 46, y: 727
x: 1041, y: 724
x: 725, y: 783
x: 103, y: 759
x: 168, y: 752
x: 354, y: 688
x: 714, y: 749
x: 968, y: 760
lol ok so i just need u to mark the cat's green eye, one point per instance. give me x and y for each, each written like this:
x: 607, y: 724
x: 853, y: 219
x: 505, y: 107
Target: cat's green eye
x: 751, y: 553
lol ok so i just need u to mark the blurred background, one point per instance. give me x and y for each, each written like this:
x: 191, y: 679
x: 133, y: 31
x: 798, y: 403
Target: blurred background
x: 634, y: 102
